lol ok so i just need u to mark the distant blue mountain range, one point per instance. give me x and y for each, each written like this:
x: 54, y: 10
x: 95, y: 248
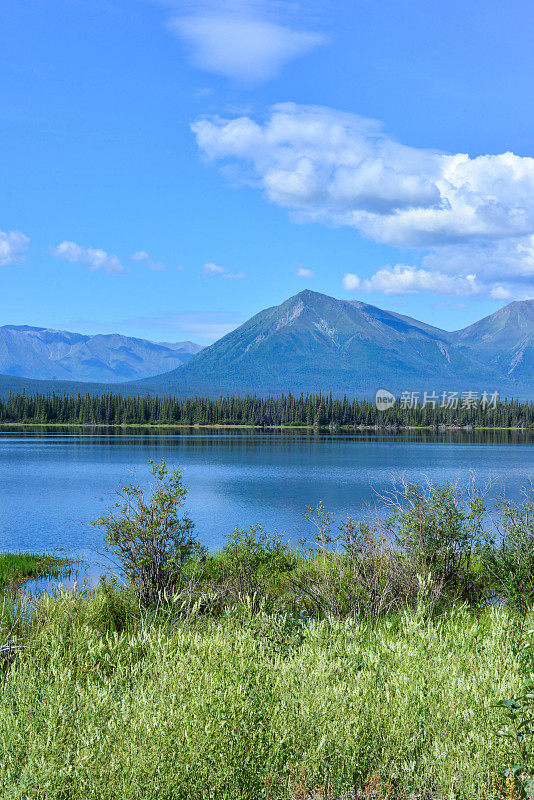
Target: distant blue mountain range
x: 46, y: 354
x: 309, y: 343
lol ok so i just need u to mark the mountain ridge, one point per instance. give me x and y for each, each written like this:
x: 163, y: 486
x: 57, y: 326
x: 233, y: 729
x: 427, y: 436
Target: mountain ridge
x: 504, y: 339
x: 312, y: 342
x: 51, y: 354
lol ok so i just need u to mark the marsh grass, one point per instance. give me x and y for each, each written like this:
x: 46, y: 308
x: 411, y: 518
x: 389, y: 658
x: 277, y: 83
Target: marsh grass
x: 15, y: 568
x: 97, y: 703
x: 368, y: 664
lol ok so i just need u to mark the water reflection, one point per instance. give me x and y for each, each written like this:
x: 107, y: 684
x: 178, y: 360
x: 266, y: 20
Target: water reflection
x: 54, y: 482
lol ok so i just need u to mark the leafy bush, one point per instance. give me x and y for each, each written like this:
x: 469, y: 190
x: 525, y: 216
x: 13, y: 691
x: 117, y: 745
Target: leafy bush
x: 440, y: 529
x: 510, y: 562
x: 252, y: 558
x: 351, y: 570
x: 151, y: 540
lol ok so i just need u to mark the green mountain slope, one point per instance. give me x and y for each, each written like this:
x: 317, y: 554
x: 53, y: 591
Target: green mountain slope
x: 10, y: 384
x: 313, y: 342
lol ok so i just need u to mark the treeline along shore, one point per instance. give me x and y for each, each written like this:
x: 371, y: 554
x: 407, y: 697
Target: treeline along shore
x: 282, y: 411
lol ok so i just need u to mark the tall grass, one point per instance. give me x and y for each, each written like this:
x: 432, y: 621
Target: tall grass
x: 97, y: 703
x: 15, y: 568
x: 369, y: 662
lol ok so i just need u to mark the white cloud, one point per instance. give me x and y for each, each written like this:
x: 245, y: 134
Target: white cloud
x: 500, y: 293
x: 95, y: 258
x: 249, y: 50
x: 248, y: 41
x: 350, y: 281
x: 341, y: 168
x: 143, y: 256
x: 13, y: 246
x: 403, y: 279
x: 450, y: 304
x: 214, y: 269
x: 464, y: 214
x: 303, y: 272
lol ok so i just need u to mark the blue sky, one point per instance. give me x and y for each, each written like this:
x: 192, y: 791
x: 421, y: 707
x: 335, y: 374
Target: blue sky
x: 170, y: 168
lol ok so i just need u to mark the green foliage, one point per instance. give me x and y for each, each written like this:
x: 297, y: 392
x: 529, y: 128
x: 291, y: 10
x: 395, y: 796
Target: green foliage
x: 351, y: 571
x: 439, y: 528
x: 311, y: 410
x: 434, y: 537
x: 316, y: 674
x: 251, y: 558
x: 15, y: 568
x: 151, y: 540
x: 510, y: 561
x: 96, y: 707
x: 518, y: 732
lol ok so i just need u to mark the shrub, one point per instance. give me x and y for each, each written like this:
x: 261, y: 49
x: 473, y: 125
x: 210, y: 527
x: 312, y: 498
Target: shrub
x: 510, y: 562
x: 351, y: 570
x: 149, y: 537
x: 440, y: 529
x: 518, y: 732
x: 252, y: 558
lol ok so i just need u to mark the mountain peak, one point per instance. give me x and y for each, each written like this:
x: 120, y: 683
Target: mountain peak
x: 312, y: 342
x: 308, y: 296
x: 519, y: 308
x: 504, y: 340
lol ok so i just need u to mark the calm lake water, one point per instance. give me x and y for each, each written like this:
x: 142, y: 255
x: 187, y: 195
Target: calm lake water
x: 53, y: 484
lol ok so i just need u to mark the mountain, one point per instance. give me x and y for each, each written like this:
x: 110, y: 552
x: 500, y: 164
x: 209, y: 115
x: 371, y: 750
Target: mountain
x: 503, y: 341
x: 309, y: 343
x: 313, y: 342
x: 46, y: 354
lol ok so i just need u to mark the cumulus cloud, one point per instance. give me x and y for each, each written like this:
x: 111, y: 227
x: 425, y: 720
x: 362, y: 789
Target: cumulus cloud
x: 214, y: 269
x: 403, y: 279
x: 246, y: 40
x: 500, y: 293
x: 143, y: 257
x: 350, y: 281
x: 13, y: 246
x: 303, y: 272
x: 465, y: 215
x: 93, y: 257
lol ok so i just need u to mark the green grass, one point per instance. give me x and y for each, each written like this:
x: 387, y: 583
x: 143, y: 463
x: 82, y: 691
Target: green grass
x: 98, y: 704
x: 234, y: 426
x: 15, y: 568
x: 361, y: 667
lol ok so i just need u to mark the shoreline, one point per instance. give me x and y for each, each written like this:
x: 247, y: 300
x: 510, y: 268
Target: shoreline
x: 222, y: 426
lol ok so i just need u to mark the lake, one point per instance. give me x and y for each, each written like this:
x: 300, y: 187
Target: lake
x: 54, y: 483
